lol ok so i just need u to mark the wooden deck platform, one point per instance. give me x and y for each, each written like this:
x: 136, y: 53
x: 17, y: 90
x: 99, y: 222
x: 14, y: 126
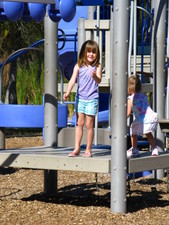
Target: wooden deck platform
x: 51, y: 158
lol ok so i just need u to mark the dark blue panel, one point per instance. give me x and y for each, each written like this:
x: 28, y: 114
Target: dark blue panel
x: 94, y: 2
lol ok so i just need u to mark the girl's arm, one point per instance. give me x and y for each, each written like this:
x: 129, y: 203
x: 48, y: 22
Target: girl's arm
x: 71, y: 82
x: 129, y: 107
x: 97, y: 74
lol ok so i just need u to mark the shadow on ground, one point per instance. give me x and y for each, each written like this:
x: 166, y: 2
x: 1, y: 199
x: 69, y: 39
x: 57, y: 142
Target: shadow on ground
x: 7, y: 170
x: 87, y: 195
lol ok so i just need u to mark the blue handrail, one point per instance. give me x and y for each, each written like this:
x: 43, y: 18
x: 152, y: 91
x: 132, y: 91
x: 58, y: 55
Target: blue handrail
x: 21, y: 52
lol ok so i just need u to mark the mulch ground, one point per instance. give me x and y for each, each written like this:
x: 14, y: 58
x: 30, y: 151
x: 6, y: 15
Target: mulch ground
x: 79, y: 200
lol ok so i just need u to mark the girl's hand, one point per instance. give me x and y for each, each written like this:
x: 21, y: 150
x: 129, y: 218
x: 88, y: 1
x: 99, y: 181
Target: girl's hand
x: 93, y: 73
x: 65, y: 96
x: 96, y: 74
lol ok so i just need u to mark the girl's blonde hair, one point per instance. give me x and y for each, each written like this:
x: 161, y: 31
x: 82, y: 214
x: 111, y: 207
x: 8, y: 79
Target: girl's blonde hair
x: 134, y: 84
x: 88, y: 46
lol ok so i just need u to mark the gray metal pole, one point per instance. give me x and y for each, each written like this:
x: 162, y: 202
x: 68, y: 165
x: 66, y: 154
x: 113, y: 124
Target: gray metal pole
x: 2, y: 138
x: 91, y: 10
x: 152, y: 56
x: 167, y: 97
x: 135, y: 37
x: 153, y: 63
x: 131, y: 35
x: 51, y: 107
x: 81, y: 33
x: 111, y: 67
x: 50, y: 82
x: 119, y: 111
x: 160, y: 71
x: 97, y: 40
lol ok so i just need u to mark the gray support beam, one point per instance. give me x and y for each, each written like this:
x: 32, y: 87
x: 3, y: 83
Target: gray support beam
x: 51, y: 109
x: 152, y: 57
x: 91, y: 11
x: 2, y: 138
x: 81, y: 33
x: 167, y: 94
x: 119, y: 111
x: 111, y: 66
x: 160, y: 40
x: 50, y: 120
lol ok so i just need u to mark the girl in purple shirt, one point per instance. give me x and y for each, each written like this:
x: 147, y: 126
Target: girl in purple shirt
x: 89, y: 73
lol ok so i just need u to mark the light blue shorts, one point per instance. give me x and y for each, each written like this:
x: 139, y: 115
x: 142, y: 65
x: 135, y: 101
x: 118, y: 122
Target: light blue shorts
x: 88, y: 107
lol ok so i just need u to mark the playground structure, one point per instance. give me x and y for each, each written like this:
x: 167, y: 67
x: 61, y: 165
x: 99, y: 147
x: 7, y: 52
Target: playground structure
x: 53, y: 158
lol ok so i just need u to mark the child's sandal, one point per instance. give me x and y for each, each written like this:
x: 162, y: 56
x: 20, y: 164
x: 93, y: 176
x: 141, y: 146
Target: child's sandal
x: 74, y: 154
x: 87, y: 154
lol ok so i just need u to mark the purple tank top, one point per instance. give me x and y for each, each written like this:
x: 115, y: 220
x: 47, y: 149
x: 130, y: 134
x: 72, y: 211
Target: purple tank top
x: 87, y: 86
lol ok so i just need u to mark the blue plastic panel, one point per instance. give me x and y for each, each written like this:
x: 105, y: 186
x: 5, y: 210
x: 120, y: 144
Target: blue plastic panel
x: 28, y: 116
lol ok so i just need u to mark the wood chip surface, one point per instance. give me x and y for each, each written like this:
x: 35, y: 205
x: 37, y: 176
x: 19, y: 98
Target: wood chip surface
x: 79, y: 201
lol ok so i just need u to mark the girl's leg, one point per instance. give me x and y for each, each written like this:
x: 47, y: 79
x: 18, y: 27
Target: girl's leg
x: 151, y: 140
x: 133, y: 152
x: 154, y: 148
x: 90, y: 132
x: 134, y: 141
x: 79, y: 131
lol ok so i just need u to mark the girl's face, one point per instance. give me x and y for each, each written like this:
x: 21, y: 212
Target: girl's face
x: 91, y: 56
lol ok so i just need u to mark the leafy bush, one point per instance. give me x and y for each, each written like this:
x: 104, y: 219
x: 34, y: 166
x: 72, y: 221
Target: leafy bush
x: 30, y: 84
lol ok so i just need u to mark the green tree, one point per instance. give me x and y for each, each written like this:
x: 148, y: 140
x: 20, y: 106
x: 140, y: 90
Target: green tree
x: 14, y: 36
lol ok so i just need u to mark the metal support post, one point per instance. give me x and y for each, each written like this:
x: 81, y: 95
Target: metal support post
x: 2, y: 138
x: 119, y: 109
x: 51, y: 104
x: 159, y: 75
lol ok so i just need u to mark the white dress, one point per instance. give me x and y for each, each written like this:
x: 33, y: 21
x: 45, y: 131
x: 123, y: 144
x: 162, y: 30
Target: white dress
x: 145, y: 119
